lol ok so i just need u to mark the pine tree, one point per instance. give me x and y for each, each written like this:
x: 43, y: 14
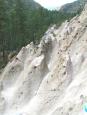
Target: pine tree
x: 20, y: 17
x: 3, y: 26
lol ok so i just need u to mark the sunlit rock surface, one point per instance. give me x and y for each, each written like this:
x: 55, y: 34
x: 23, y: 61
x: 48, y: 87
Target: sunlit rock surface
x: 51, y: 78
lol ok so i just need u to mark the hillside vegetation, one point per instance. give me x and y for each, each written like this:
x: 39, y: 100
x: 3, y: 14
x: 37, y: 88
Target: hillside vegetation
x: 73, y: 7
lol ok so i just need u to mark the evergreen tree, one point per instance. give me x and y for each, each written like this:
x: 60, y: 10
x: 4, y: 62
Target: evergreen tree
x: 3, y: 26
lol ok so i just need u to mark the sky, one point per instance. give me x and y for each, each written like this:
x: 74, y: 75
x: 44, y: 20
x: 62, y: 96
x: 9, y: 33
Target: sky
x: 52, y: 4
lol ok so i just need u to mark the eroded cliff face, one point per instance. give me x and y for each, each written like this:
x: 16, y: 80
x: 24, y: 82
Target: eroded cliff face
x: 51, y: 78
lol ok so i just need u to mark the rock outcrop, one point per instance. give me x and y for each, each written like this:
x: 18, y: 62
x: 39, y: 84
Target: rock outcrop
x: 50, y: 78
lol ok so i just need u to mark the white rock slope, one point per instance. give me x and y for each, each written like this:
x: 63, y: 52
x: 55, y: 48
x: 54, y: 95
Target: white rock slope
x: 51, y: 78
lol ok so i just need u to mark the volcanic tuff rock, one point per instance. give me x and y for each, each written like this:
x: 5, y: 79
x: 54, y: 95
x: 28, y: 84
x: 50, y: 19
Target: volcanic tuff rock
x: 51, y: 78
